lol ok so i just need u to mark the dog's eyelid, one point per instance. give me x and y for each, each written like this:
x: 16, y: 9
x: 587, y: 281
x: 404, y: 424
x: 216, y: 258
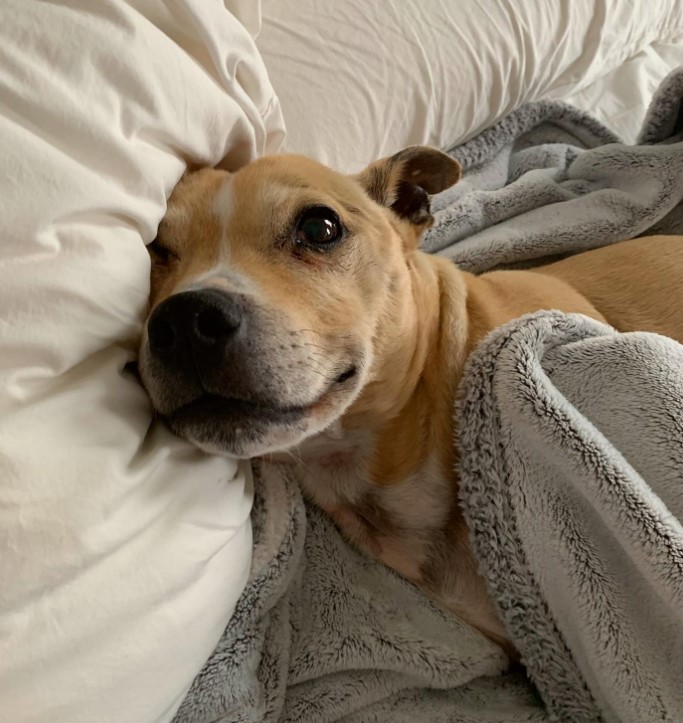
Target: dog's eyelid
x: 346, y: 214
x: 340, y: 208
x: 305, y: 206
x: 162, y: 252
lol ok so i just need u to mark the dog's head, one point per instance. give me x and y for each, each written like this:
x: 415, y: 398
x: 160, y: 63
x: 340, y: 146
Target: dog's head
x: 269, y: 291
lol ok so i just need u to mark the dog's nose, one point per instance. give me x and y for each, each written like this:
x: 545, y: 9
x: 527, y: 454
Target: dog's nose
x: 204, y: 321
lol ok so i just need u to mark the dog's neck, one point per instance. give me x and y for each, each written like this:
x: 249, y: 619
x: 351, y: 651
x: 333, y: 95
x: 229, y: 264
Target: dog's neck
x: 405, y: 412
x: 386, y: 472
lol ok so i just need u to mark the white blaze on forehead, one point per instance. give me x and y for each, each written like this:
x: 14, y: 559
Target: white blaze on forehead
x: 223, y: 208
x: 273, y: 195
x: 222, y: 275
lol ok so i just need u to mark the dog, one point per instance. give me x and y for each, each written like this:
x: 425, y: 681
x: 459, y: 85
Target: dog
x: 293, y: 317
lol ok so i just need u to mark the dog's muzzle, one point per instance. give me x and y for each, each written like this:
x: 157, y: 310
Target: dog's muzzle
x: 223, y: 371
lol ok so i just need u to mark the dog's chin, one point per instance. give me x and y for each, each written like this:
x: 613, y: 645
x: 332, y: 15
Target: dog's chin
x: 244, y: 430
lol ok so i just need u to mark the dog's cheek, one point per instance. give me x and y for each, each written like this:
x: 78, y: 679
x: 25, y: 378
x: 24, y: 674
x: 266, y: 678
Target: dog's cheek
x: 380, y: 270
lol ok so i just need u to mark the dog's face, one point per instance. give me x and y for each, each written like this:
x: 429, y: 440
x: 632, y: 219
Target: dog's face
x: 269, y: 289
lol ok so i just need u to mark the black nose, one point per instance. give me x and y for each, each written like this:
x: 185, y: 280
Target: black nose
x: 202, y: 321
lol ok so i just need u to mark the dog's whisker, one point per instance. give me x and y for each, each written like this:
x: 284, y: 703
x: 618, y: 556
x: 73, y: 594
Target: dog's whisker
x: 299, y: 459
x: 319, y: 358
x: 336, y: 334
x: 316, y: 346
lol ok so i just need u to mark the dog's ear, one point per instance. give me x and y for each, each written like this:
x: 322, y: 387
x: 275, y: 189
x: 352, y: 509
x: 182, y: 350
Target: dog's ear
x: 403, y: 182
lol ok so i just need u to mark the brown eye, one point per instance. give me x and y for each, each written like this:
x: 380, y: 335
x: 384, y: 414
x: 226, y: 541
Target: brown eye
x: 318, y: 227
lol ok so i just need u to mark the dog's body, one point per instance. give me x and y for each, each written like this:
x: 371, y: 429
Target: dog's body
x: 393, y: 491
x: 363, y: 396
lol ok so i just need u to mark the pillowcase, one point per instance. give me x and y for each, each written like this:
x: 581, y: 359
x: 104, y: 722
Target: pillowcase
x: 122, y: 549
x: 359, y: 80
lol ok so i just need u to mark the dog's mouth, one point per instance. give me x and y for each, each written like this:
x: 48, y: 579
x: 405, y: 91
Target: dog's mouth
x: 245, y: 413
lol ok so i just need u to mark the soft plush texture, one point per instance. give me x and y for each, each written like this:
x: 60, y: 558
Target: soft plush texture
x: 572, y: 459
x: 359, y: 80
x: 324, y: 634
x: 122, y: 549
x: 524, y: 200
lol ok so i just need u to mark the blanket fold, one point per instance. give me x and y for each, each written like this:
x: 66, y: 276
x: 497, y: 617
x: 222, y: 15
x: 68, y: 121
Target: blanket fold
x: 572, y: 482
x: 572, y: 443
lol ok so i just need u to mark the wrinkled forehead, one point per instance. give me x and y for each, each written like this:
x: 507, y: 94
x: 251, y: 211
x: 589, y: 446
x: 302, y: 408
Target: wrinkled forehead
x: 255, y: 204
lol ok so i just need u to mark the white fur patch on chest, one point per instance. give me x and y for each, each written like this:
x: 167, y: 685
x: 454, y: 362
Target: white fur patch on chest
x: 396, y: 523
x: 332, y: 467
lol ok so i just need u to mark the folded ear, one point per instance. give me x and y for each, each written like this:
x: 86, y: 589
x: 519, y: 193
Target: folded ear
x: 404, y: 181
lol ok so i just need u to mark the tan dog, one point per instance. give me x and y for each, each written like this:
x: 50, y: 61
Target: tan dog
x: 292, y: 311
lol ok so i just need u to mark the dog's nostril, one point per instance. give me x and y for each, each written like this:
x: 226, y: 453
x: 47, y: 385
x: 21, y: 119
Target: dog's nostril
x: 161, y: 334
x: 202, y: 318
x: 213, y: 324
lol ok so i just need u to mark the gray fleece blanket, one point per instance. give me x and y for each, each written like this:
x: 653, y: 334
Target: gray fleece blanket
x: 572, y: 482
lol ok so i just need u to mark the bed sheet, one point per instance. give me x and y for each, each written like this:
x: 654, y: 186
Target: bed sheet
x: 621, y: 98
x: 358, y: 81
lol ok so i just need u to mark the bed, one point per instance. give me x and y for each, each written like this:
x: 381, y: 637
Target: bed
x: 124, y: 552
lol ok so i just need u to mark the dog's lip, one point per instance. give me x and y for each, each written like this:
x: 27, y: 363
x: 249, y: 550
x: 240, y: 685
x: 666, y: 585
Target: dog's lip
x: 216, y: 406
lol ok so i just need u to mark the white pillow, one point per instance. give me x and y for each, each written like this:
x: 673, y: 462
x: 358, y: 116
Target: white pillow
x: 359, y: 80
x: 621, y: 99
x: 122, y: 549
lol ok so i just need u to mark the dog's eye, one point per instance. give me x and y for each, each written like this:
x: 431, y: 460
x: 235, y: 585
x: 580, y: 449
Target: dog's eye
x: 318, y: 227
x: 158, y: 251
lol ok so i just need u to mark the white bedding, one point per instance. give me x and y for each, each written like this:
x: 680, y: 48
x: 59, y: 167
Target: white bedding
x: 621, y: 98
x: 360, y: 80
x: 122, y: 549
